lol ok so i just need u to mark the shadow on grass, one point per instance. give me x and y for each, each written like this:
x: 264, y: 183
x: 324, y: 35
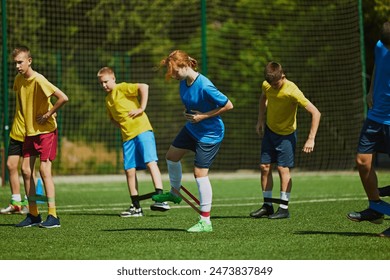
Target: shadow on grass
x: 94, y: 214
x: 7, y: 225
x: 144, y: 229
x: 112, y: 215
x: 230, y: 217
x: 313, y: 232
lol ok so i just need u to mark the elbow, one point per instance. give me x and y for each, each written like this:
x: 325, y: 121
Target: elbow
x: 229, y: 105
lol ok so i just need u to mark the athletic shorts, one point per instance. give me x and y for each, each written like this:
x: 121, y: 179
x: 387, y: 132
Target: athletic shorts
x: 139, y: 151
x: 374, y: 137
x: 15, y: 147
x: 205, y: 153
x: 42, y: 145
x: 279, y: 149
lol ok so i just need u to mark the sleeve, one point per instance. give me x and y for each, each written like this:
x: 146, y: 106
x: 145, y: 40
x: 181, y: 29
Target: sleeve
x: 131, y: 90
x: 215, y: 96
x: 47, y: 88
x: 300, y: 98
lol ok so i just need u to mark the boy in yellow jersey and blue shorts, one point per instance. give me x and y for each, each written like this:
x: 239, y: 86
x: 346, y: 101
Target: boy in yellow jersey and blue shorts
x: 34, y: 92
x: 277, y: 123
x: 126, y: 104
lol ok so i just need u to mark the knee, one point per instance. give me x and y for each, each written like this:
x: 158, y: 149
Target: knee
x: 26, y: 172
x: 12, y: 166
x: 362, y: 161
x: 265, y: 168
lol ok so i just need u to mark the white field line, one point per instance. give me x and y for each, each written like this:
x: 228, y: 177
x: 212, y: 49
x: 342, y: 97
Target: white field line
x: 121, y: 206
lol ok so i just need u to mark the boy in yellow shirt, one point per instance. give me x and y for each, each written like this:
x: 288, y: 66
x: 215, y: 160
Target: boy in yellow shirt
x: 277, y: 122
x: 34, y: 92
x: 127, y: 112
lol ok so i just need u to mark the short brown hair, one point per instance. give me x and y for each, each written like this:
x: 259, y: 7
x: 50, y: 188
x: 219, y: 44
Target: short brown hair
x: 273, y: 72
x: 21, y: 49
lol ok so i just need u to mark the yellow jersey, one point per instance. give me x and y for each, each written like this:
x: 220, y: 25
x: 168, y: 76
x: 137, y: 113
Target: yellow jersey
x: 119, y: 102
x: 18, y: 130
x: 34, y: 96
x: 282, y: 106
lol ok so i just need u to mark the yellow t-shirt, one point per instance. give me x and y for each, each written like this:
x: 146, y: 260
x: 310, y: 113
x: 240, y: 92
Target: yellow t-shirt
x: 119, y: 102
x: 282, y: 106
x: 34, y: 94
x: 18, y: 130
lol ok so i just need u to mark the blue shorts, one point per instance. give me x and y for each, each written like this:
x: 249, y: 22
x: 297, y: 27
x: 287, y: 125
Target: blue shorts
x: 278, y: 149
x: 139, y: 151
x: 205, y: 153
x: 374, y: 137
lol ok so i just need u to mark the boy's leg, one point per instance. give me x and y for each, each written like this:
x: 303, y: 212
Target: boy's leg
x: 47, y: 178
x: 158, y: 186
x: 135, y: 209
x: 285, y: 189
x: 266, y: 180
x: 16, y: 204
x: 368, y: 176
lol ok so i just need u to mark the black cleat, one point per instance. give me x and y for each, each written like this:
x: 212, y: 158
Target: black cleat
x: 369, y: 215
x: 280, y: 214
x: 385, y: 191
x: 263, y: 212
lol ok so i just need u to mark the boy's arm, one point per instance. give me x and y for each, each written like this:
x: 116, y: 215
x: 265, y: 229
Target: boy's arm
x: 62, y: 98
x: 261, y: 117
x: 315, y: 122
x: 143, y: 91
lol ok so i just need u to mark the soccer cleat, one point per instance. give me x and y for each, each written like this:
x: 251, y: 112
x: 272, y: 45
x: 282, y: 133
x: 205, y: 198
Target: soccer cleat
x: 15, y: 207
x: 369, y: 215
x: 160, y: 206
x: 132, y: 212
x: 280, y: 214
x: 168, y: 196
x: 385, y: 191
x: 30, y: 221
x: 201, y: 226
x: 263, y: 212
x: 385, y: 233
x: 51, y: 222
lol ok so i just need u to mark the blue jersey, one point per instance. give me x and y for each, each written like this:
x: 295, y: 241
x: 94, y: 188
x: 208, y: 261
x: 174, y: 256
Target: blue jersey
x: 203, y: 96
x: 380, y: 112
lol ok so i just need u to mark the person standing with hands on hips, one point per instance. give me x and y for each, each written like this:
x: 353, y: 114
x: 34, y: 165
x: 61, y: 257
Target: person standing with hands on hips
x: 34, y: 92
x: 202, y: 134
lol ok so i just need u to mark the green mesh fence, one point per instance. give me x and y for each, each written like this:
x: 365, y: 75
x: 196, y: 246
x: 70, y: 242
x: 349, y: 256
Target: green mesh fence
x: 317, y: 42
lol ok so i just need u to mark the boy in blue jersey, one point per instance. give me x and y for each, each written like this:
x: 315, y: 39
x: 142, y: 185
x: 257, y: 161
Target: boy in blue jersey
x: 375, y: 133
x: 202, y: 133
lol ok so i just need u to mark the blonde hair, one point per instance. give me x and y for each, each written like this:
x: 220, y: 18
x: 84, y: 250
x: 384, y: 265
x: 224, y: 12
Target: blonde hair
x: 105, y: 71
x: 179, y: 59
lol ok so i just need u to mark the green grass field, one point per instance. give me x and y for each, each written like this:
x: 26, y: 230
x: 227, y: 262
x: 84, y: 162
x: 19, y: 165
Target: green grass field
x: 92, y: 230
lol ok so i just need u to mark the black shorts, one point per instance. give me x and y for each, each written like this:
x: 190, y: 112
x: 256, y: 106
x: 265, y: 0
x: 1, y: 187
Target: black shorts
x: 15, y: 147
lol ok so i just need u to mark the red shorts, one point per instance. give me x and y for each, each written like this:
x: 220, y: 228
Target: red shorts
x: 44, y: 145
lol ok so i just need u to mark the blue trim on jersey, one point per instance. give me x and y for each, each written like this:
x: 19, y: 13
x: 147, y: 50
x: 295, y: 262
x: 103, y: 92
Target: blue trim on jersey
x: 203, y: 96
x: 380, y: 111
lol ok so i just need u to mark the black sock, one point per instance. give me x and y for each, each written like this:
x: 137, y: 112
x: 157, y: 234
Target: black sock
x: 135, y: 201
x: 159, y: 191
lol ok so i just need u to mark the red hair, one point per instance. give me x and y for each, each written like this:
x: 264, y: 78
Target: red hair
x: 179, y: 59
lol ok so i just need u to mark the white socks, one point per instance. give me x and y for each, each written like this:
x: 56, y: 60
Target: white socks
x: 205, y: 197
x: 175, y: 173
